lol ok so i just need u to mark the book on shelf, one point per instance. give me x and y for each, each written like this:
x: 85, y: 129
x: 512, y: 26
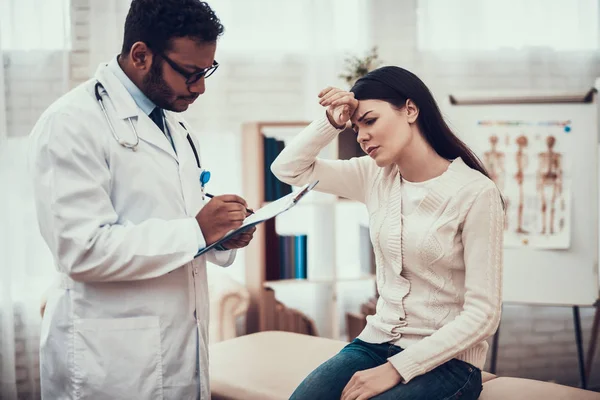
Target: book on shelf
x: 286, y: 255
x: 292, y: 253
x: 274, y: 188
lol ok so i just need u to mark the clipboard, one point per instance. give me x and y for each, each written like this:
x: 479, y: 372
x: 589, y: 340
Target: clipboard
x: 269, y: 211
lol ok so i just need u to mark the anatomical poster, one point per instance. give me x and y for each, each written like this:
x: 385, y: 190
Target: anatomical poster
x: 527, y: 161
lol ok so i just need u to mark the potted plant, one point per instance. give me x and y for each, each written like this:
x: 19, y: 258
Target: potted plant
x: 357, y: 67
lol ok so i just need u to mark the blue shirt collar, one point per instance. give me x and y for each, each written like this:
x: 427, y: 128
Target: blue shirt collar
x: 143, y: 102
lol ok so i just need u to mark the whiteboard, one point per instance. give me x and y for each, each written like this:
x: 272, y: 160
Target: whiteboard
x: 550, y: 276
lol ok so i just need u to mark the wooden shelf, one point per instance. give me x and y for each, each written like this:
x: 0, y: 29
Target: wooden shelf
x: 295, y: 282
x: 318, y: 281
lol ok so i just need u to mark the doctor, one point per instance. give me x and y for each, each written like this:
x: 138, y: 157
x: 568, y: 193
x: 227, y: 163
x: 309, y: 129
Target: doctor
x: 121, y: 207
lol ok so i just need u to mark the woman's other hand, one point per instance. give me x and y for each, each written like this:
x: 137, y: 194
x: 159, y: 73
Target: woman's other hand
x: 371, y: 382
x: 340, y: 104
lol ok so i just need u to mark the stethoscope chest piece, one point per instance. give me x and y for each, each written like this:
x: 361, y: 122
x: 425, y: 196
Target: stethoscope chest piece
x: 127, y: 145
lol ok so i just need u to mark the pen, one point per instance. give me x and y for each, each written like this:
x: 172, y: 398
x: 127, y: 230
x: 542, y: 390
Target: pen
x: 210, y: 196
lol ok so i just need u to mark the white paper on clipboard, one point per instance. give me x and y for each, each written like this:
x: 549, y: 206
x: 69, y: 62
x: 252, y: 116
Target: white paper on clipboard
x: 269, y: 211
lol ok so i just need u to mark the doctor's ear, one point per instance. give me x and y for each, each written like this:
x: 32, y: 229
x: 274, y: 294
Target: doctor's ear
x: 141, y: 55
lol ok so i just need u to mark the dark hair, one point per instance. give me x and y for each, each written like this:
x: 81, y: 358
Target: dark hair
x: 156, y: 22
x: 395, y: 85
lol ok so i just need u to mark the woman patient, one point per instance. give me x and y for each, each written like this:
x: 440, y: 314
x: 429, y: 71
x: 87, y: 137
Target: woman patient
x: 436, y: 223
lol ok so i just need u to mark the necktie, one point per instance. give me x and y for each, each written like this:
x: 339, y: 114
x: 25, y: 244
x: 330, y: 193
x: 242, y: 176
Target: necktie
x: 157, y: 116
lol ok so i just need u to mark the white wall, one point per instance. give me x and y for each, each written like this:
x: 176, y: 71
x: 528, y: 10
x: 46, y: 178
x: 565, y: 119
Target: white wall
x: 32, y: 82
x: 535, y: 342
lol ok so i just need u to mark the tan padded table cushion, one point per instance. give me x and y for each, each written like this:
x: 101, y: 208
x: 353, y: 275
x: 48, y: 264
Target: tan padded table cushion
x: 266, y: 365
x: 270, y: 365
x: 486, y: 376
x: 528, y: 389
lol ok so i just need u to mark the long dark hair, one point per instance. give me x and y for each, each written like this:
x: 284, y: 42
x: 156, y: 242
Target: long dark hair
x: 395, y: 85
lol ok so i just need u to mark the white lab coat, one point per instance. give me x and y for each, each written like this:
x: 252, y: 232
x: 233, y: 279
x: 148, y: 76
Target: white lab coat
x: 120, y: 225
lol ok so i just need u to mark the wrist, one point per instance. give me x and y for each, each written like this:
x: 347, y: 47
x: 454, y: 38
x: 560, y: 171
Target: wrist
x: 332, y: 122
x: 208, y: 237
x: 398, y: 375
x: 200, y: 239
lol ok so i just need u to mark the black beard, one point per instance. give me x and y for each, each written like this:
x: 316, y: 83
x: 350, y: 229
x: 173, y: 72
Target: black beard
x: 155, y: 87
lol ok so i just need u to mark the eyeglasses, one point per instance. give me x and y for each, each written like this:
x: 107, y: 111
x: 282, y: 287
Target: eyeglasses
x: 191, y: 77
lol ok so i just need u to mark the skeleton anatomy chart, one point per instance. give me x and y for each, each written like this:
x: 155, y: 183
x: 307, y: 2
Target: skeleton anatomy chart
x: 526, y: 161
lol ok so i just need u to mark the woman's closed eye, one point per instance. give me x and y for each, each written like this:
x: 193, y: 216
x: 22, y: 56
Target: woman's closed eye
x: 367, y: 122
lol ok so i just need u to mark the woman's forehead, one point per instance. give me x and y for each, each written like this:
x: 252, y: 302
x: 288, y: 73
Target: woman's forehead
x: 364, y: 106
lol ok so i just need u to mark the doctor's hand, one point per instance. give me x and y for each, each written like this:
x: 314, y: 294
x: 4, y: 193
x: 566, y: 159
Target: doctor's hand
x: 340, y: 104
x: 240, y: 240
x: 221, y: 215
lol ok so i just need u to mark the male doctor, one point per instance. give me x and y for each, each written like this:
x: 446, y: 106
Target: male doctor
x: 129, y: 320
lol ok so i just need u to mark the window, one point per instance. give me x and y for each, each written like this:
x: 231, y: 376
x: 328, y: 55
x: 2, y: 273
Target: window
x: 476, y: 25
x: 292, y: 27
x: 35, y: 25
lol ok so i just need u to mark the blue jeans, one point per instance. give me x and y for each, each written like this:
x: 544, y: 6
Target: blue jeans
x: 453, y: 380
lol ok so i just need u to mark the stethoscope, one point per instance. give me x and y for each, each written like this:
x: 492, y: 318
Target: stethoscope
x: 204, y: 175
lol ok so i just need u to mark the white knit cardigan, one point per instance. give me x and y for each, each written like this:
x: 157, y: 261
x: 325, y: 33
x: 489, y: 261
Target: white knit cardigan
x: 439, y: 269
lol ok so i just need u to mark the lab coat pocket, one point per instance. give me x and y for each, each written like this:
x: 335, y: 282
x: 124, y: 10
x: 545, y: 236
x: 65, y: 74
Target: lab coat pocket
x: 117, y: 358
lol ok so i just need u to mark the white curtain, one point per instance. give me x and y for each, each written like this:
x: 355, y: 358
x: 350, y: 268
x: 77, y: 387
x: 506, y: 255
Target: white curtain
x: 489, y: 25
x: 34, y: 44
x: 3, y: 132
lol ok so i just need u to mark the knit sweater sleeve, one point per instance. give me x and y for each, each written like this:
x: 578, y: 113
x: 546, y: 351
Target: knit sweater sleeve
x: 298, y: 164
x: 482, y: 238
